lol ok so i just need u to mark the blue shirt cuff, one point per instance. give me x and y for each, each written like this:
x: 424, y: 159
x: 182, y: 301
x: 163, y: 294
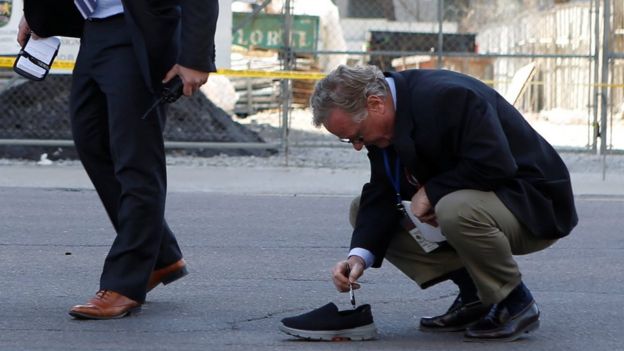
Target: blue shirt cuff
x: 368, y: 256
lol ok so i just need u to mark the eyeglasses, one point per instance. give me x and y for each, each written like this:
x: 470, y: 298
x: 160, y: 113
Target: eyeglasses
x: 358, y: 139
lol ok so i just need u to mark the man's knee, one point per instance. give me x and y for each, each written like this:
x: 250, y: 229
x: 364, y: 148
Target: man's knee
x: 457, y: 209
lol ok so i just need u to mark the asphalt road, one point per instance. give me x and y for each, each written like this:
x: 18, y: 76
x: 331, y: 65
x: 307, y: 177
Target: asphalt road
x: 255, y: 259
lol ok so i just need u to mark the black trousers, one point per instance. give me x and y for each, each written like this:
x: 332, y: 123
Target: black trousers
x: 122, y: 154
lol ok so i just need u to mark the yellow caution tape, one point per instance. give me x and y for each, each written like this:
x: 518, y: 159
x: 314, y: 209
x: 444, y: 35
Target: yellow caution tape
x: 7, y: 62
x: 271, y: 74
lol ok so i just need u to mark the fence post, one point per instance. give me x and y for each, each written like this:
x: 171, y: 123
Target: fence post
x: 595, y: 126
x: 287, y: 58
x: 604, y: 89
x: 440, y: 31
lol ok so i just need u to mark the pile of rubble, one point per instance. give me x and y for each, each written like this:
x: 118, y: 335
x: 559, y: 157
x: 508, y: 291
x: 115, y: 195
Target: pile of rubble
x: 39, y: 110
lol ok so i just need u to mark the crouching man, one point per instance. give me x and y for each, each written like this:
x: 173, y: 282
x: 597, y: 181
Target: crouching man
x: 471, y: 165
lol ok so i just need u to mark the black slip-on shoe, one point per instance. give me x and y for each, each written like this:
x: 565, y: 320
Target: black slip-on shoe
x: 328, y: 324
x: 458, y: 317
x: 499, y: 325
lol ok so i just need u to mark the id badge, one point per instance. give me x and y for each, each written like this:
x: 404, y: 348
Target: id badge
x: 411, y: 228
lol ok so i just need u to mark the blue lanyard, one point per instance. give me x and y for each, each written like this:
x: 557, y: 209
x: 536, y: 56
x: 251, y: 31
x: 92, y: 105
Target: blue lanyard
x: 395, y: 178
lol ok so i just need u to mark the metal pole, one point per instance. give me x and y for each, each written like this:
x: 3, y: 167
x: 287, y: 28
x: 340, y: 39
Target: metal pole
x: 604, y: 84
x: 440, y: 31
x: 595, y: 126
x: 168, y: 144
x: 285, y: 94
x: 250, y: 105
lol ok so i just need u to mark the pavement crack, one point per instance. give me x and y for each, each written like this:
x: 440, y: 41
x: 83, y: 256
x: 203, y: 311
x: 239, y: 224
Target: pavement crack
x: 235, y: 325
x: 296, y: 279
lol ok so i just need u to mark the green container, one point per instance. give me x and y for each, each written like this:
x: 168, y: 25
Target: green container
x: 265, y: 31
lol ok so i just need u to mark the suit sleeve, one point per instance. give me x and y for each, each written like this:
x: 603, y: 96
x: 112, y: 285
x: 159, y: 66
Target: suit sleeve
x: 377, y: 217
x: 484, y: 160
x: 199, y: 24
x: 50, y: 18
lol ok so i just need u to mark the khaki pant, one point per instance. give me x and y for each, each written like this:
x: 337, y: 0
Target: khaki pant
x: 483, y: 236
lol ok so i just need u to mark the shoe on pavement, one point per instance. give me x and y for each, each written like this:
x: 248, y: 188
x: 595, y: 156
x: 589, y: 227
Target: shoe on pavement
x: 106, y: 304
x: 500, y: 325
x: 328, y: 324
x: 167, y: 274
x: 458, y: 317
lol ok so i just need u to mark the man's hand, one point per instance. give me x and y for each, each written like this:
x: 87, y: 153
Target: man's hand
x: 191, y: 78
x: 23, y: 31
x: 347, y: 272
x: 421, y: 207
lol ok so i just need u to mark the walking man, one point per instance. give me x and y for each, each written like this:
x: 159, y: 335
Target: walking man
x: 128, y: 49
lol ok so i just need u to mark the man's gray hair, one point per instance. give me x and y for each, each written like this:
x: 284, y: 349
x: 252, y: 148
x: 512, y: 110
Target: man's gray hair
x: 347, y: 88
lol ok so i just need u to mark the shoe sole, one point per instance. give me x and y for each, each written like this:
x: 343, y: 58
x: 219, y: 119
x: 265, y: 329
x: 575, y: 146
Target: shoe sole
x: 529, y: 328
x: 460, y: 328
x: 366, y: 332
x: 171, y: 277
x: 79, y: 315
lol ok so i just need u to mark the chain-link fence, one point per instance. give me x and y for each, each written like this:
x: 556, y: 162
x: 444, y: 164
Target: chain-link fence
x: 561, y: 48
x: 615, y: 101
x: 560, y: 62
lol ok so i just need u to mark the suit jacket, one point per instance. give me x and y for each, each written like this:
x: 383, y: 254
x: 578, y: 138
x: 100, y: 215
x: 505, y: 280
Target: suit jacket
x: 454, y: 132
x: 164, y: 32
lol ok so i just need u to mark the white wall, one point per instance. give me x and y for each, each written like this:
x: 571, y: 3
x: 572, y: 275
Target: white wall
x: 223, y: 37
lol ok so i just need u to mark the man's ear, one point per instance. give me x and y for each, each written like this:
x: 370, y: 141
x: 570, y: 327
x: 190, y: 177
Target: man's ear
x: 375, y: 103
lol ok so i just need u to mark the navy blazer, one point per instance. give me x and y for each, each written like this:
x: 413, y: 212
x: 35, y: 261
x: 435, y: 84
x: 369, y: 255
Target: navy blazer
x: 453, y: 132
x: 163, y: 32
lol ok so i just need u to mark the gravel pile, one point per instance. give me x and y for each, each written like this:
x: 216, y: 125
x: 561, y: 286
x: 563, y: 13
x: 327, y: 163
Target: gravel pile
x: 327, y: 152
x: 40, y: 110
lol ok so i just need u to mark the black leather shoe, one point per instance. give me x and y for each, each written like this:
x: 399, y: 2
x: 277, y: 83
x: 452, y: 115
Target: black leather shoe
x: 499, y: 325
x: 458, y: 317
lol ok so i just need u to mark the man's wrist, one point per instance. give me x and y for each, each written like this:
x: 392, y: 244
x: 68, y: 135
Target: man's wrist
x: 360, y: 259
x: 367, y: 257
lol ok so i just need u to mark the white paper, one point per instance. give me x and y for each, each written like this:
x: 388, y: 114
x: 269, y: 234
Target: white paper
x: 27, y: 66
x: 427, y: 231
x: 43, y: 48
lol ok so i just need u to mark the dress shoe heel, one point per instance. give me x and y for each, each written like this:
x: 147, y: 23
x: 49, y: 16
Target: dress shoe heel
x: 167, y: 275
x: 173, y: 276
x: 458, y: 317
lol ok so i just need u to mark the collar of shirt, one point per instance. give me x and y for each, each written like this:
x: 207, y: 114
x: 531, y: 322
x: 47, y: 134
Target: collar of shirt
x: 107, y: 8
x: 390, y: 81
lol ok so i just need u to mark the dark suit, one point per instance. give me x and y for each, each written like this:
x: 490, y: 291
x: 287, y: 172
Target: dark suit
x: 121, y: 63
x: 453, y: 132
x: 158, y: 30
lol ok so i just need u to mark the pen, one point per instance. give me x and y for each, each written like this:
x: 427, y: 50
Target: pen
x: 351, y: 295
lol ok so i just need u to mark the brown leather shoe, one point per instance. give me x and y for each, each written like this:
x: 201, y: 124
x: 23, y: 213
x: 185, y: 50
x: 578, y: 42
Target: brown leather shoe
x: 106, y: 304
x: 167, y: 274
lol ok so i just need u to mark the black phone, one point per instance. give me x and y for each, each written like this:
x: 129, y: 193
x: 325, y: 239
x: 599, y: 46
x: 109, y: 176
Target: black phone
x: 171, y: 91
